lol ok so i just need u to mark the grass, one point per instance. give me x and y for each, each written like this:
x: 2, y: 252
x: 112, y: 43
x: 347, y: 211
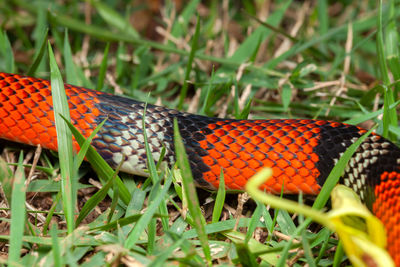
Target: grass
x: 290, y: 59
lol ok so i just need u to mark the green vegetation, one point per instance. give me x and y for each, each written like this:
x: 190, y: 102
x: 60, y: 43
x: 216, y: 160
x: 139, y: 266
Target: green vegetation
x: 336, y: 60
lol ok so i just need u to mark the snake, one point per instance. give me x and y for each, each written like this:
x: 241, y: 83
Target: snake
x: 300, y: 152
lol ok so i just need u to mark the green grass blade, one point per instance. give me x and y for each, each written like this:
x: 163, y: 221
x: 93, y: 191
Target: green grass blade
x: 392, y: 43
x: 162, y: 155
x: 56, y: 246
x: 190, y: 191
x: 236, y: 99
x: 70, y: 68
x: 272, y: 28
x: 41, y: 27
x: 392, y: 59
x: 255, y: 218
x: 86, y: 145
x: 6, y: 53
x: 326, y: 234
x: 284, y: 220
x: 386, y: 113
x: 39, y: 55
x: 370, y: 115
x: 286, y: 96
x: 120, y: 65
x: 307, y: 250
x: 6, y: 178
x: 339, y: 254
x: 114, y: 198
x: 220, y: 199
x: 150, y: 160
x: 193, y: 50
x: 136, y: 203
x: 64, y: 142
x: 380, y: 48
x: 151, y: 233
x: 117, y: 223
x: 323, y: 16
x: 18, y: 213
x: 93, y: 201
x: 207, y: 94
x: 244, y: 114
x: 390, y: 112
x: 164, y: 213
x: 103, y: 69
x: 51, y: 213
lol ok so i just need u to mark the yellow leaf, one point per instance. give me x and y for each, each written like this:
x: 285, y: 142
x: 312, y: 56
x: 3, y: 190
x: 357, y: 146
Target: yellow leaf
x: 349, y: 216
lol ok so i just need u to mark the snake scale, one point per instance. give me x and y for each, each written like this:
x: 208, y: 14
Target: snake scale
x: 300, y: 152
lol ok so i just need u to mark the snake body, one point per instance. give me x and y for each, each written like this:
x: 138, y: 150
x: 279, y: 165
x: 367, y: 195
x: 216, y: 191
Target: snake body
x: 301, y: 153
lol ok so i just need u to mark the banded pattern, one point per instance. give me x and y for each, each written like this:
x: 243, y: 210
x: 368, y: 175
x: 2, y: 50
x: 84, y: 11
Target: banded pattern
x: 301, y: 153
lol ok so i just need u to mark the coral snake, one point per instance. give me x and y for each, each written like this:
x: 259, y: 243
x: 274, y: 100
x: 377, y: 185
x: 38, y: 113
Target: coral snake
x: 300, y: 152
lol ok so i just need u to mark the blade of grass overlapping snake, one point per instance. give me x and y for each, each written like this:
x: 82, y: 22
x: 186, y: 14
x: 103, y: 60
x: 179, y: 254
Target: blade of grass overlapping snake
x: 64, y: 142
